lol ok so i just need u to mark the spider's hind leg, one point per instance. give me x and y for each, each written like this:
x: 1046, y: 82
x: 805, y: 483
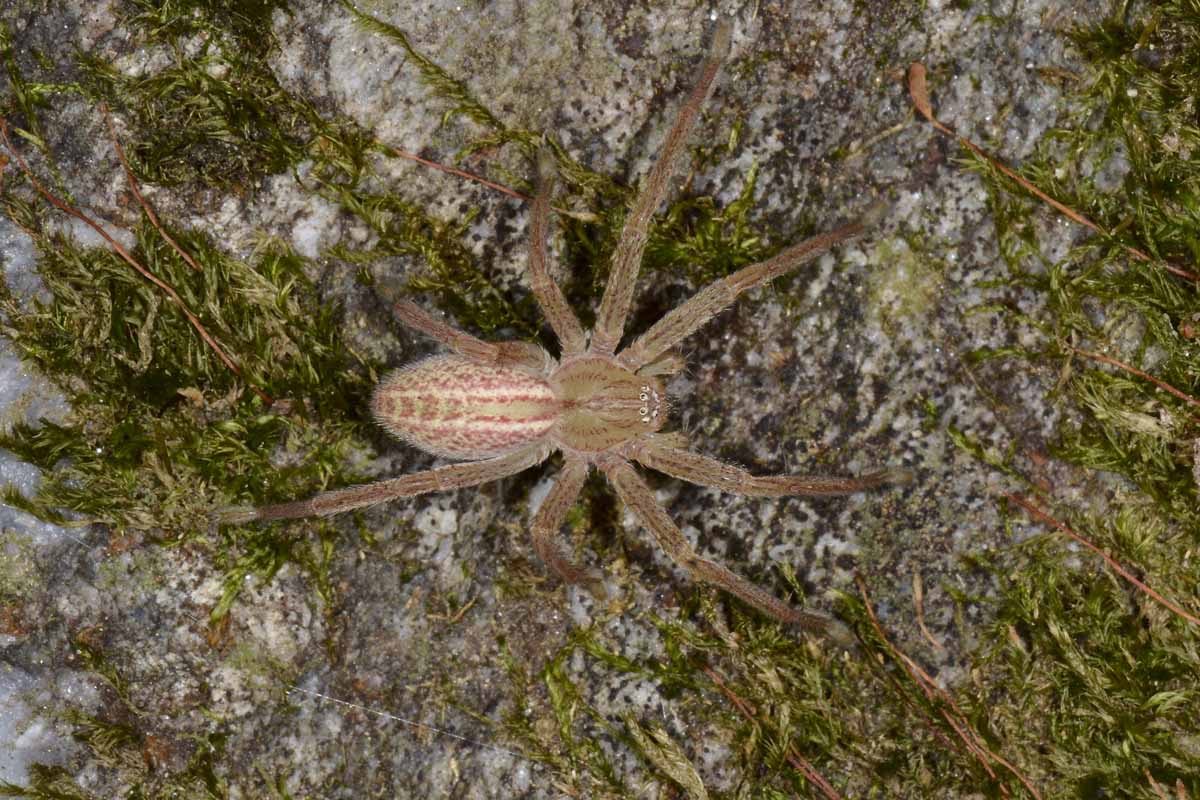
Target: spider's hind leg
x: 438, y: 479
x: 548, y: 522
x: 505, y: 354
x: 634, y: 492
x: 667, y: 455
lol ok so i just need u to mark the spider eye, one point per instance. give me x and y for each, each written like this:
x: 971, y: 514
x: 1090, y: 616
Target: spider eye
x: 643, y: 396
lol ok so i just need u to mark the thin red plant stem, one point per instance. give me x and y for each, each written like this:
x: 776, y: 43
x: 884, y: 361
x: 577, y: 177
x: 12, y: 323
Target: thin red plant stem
x: 909, y: 702
x: 1043, y: 516
x: 805, y: 768
x: 742, y: 704
x: 793, y: 756
x: 920, y: 97
x: 962, y: 727
x: 1158, y: 790
x: 454, y: 171
x: 120, y: 250
x: 1166, y: 387
x: 923, y: 681
x: 133, y: 185
x: 580, y: 215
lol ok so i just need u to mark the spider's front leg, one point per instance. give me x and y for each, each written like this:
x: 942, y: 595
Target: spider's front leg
x: 627, y: 259
x: 562, y: 319
x: 684, y: 320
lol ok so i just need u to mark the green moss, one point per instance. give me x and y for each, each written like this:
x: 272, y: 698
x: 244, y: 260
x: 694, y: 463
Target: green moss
x: 1108, y: 673
x: 1078, y: 656
x: 1144, y: 65
x: 20, y: 578
x: 46, y: 782
x: 561, y: 737
x: 453, y: 276
x: 138, y: 573
x: 908, y: 290
x: 122, y: 738
x: 704, y: 242
x: 162, y: 422
x: 162, y: 429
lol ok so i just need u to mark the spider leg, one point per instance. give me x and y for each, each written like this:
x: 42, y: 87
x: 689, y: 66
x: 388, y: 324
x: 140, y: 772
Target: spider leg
x: 517, y: 354
x: 627, y: 259
x: 549, y: 520
x: 438, y: 479
x: 659, y: 455
x: 682, y: 321
x: 634, y: 492
x: 549, y: 296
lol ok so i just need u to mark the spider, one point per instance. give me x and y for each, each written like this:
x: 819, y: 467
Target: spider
x: 500, y: 408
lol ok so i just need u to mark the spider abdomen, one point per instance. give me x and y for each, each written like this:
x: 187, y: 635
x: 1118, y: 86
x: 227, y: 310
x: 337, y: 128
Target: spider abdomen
x: 453, y: 407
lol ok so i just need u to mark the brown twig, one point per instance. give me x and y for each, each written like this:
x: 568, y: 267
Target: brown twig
x: 919, y: 602
x: 1166, y: 387
x: 793, y: 756
x: 133, y: 185
x: 916, y: 674
x: 920, y: 97
x: 909, y: 702
x: 585, y: 216
x: 120, y: 250
x: 1158, y: 789
x: 1043, y: 516
x: 455, y: 171
x: 1181, y: 792
x: 961, y: 726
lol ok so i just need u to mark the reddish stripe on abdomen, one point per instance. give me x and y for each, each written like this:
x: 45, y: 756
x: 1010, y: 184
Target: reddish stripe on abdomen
x: 450, y: 406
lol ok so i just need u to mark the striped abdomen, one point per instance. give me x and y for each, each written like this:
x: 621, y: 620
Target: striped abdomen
x: 449, y: 406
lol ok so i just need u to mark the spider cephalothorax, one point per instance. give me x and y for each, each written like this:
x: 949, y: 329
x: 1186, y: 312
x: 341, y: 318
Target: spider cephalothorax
x: 504, y: 407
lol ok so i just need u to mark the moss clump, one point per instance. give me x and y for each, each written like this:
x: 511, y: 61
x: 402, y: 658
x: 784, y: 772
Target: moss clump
x: 19, y: 575
x: 1089, y: 678
x: 216, y: 115
x: 908, y: 291
x: 1133, y: 174
x: 162, y: 421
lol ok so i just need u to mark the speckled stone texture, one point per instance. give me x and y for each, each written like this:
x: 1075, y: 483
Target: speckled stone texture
x: 836, y: 379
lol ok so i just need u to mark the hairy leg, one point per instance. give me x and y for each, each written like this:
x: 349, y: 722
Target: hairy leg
x: 505, y: 354
x: 682, y: 321
x: 627, y: 260
x: 439, y: 479
x: 659, y: 454
x: 549, y: 296
x: 634, y: 492
x: 548, y: 522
